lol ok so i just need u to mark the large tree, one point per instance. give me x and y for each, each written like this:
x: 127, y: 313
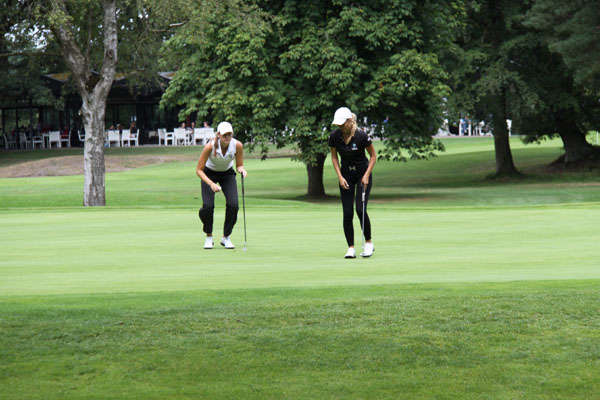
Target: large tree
x: 483, y: 74
x: 93, y: 88
x: 88, y: 34
x: 504, y: 68
x: 278, y: 70
x: 561, y: 63
x: 551, y: 103
x: 572, y: 29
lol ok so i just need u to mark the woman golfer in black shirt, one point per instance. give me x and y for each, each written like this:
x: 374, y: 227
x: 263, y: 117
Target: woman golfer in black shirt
x: 354, y: 175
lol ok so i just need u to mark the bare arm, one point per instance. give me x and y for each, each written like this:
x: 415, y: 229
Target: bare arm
x: 200, y: 168
x: 372, y: 161
x: 336, y: 166
x: 239, y: 159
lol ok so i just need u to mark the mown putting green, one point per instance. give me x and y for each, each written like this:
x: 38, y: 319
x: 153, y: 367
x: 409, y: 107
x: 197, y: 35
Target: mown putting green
x: 109, y: 251
x: 476, y: 289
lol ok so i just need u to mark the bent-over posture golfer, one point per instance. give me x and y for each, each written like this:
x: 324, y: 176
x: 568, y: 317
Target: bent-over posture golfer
x: 354, y: 175
x: 215, y: 168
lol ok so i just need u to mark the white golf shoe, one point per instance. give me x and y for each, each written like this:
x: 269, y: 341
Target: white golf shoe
x: 351, y: 253
x: 367, y: 250
x: 208, y: 243
x: 226, y: 242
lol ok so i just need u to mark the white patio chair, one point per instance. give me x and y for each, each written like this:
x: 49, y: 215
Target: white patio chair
x: 11, y: 142
x: 133, y: 137
x: 180, y: 136
x: 113, y: 137
x: 165, y: 136
x: 66, y: 139
x: 24, y: 142
x: 197, y: 136
x: 81, y: 135
x: 210, y: 135
x: 125, y: 137
x: 37, y: 140
x: 54, y: 137
x: 203, y: 135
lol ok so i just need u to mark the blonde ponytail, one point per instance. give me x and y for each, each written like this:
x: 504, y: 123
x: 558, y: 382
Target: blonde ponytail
x: 215, y: 144
x: 354, y: 125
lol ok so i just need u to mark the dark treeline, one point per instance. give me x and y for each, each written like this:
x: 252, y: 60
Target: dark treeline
x: 278, y: 69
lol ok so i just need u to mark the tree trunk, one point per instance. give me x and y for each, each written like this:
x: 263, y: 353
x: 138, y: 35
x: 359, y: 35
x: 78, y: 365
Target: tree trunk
x: 93, y: 92
x: 577, y: 148
x: 505, y: 166
x: 93, y: 153
x: 315, y: 177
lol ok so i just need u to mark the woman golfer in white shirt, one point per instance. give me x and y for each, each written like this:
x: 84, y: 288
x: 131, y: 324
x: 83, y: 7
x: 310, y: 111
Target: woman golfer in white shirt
x: 215, y: 168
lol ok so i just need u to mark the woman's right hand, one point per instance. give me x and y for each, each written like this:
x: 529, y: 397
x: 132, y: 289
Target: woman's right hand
x: 344, y: 183
x: 215, y: 187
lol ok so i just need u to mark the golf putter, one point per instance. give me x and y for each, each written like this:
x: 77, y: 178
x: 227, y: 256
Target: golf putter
x: 362, y: 226
x: 244, y: 211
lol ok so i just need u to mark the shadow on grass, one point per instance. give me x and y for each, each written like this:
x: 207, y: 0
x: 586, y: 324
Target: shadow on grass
x: 373, y: 198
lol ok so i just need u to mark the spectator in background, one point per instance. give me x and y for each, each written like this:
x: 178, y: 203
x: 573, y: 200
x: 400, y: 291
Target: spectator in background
x: 206, y: 125
x: 132, y: 127
x: 463, y: 126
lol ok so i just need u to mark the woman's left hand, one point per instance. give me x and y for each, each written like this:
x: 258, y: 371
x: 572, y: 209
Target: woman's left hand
x: 365, y: 180
x: 242, y: 171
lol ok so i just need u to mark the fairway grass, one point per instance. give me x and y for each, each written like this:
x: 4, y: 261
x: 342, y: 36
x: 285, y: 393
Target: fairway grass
x: 477, y: 289
x: 452, y: 341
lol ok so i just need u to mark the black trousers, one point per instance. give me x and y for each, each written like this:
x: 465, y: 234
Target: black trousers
x: 351, y: 196
x: 229, y: 187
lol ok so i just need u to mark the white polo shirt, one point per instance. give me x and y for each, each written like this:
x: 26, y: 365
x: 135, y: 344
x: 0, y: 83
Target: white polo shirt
x: 222, y: 162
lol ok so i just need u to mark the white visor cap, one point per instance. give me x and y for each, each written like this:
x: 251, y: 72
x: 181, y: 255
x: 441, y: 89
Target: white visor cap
x: 341, y: 115
x: 224, y: 127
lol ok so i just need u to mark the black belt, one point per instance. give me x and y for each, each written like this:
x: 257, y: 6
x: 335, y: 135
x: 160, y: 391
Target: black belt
x: 354, y: 167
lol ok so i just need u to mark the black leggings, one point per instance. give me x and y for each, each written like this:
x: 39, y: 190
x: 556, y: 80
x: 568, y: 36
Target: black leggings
x: 229, y: 187
x: 354, y: 195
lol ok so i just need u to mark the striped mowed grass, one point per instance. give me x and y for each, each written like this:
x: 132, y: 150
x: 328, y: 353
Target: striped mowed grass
x: 477, y: 289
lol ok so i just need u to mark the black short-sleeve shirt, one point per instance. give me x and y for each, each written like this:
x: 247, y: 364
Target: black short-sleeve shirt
x: 353, y: 153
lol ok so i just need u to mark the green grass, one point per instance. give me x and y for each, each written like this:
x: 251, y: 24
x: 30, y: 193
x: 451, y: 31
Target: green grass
x: 477, y: 289
x: 501, y: 341
x: 456, y: 178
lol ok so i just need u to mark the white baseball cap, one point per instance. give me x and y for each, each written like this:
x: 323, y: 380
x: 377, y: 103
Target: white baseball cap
x: 341, y: 115
x: 224, y: 127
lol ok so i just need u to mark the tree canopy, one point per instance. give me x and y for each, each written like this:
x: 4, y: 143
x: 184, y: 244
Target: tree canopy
x: 571, y: 29
x: 22, y: 63
x: 279, y: 69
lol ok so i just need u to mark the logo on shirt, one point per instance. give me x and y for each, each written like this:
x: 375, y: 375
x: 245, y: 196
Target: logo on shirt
x: 354, y: 146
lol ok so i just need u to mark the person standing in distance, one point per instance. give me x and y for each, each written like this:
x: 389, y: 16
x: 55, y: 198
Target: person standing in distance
x: 215, y: 168
x: 354, y: 174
